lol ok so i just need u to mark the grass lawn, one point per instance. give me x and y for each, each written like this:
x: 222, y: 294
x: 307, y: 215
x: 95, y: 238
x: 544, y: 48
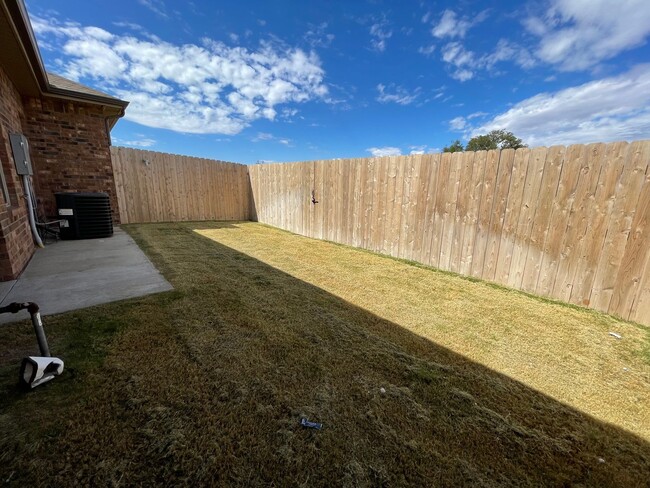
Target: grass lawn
x: 420, y: 377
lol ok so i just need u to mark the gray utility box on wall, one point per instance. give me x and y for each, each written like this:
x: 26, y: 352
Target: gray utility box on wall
x: 20, y: 149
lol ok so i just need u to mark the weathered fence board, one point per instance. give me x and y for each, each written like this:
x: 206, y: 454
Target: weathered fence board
x: 568, y: 223
x: 485, y: 212
x: 159, y: 187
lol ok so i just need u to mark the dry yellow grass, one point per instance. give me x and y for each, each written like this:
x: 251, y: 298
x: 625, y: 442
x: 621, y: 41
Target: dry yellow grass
x: 206, y: 385
x: 564, y: 352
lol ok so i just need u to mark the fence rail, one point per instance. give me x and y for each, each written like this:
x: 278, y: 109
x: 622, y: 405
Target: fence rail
x: 571, y: 223
x: 159, y: 187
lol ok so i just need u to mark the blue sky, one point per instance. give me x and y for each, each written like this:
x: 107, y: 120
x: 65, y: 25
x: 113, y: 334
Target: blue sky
x: 253, y: 81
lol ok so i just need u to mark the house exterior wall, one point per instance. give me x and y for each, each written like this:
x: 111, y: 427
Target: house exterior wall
x: 70, y: 150
x: 16, y: 243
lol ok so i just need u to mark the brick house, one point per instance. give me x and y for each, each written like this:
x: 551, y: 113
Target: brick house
x: 67, y: 126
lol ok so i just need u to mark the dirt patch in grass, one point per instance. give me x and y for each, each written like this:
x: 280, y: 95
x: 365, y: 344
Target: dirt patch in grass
x: 420, y: 378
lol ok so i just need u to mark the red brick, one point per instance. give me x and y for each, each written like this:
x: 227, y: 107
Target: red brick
x: 70, y: 151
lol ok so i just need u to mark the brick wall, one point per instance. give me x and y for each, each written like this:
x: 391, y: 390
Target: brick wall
x: 69, y: 145
x: 16, y: 244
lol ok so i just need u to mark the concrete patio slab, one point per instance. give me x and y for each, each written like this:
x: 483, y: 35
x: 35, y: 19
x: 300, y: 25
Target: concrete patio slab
x: 5, y: 288
x: 68, y: 275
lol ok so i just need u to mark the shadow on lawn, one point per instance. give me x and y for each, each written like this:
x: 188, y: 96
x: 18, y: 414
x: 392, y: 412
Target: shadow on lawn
x: 213, y: 392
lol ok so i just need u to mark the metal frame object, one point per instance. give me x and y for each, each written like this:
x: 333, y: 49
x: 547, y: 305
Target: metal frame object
x: 36, y: 370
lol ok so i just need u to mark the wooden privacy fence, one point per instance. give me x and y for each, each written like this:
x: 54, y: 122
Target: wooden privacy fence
x: 159, y: 187
x: 571, y: 223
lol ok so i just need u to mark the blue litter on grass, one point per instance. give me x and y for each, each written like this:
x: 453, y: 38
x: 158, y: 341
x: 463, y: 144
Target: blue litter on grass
x: 312, y: 425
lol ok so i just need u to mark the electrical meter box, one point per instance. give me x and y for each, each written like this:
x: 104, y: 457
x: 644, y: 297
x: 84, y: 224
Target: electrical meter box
x: 20, y: 148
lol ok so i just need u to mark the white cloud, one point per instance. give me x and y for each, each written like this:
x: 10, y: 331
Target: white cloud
x: 458, y: 123
x: 399, y: 94
x: 130, y: 25
x: 142, y: 141
x: 379, y: 32
x: 508, y: 51
x: 463, y: 60
x: 466, y: 62
x: 427, y: 50
x: 211, y: 88
x: 265, y: 136
x: 124, y: 25
x: 384, y: 151
x: 156, y: 6
x: 609, y: 109
x: 454, y: 53
x: 423, y: 149
x: 317, y: 36
x: 475, y: 115
x: 462, y: 74
x: 105, y: 62
x: 450, y: 26
x: 578, y: 34
x: 289, y: 113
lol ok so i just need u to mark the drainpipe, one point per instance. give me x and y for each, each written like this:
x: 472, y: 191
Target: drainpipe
x: 30, y: 207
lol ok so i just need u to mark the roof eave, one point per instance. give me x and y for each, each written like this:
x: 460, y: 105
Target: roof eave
x: 86, y: 97
x: 23, y: 28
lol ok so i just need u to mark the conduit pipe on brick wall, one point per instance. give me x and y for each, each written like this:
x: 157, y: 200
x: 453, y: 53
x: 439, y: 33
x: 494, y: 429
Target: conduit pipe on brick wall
x: 30, y: 208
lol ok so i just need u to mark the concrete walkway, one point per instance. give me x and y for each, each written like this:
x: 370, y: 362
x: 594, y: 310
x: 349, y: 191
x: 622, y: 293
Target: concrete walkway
x: 68, y: 275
